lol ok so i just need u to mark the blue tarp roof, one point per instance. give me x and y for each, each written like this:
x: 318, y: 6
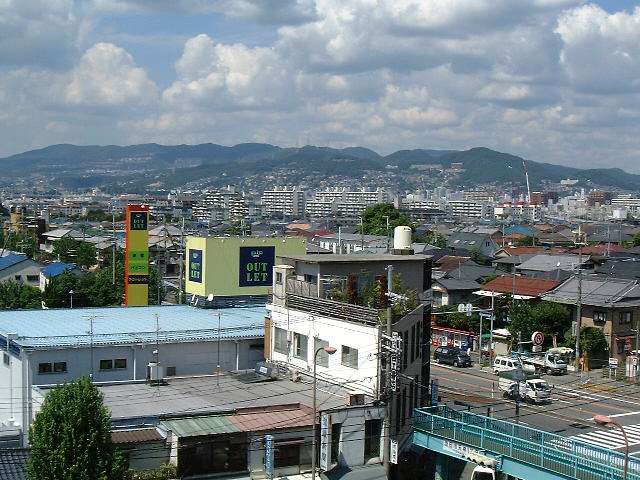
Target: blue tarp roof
x: 125, y: 325
x: 11, y: 260
x: 55, y: 269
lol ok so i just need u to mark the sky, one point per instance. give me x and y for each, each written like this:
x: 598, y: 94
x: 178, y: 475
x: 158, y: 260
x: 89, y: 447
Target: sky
x: 554, y: 81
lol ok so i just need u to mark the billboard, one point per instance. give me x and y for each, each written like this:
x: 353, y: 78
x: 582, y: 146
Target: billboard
x: 235, y: 266
x: 256, y: 266
x: 136, y: 256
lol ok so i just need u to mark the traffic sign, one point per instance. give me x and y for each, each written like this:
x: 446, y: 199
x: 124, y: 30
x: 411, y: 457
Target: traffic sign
x: 537, y: 338
x: 613, y: 363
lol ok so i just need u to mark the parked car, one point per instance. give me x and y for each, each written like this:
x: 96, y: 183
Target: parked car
x: 452, y: 356
x: 503, y: 364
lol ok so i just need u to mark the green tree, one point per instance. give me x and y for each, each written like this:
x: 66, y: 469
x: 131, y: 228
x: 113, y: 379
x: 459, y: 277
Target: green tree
x: 71, y: 437
x: 593, y: 342
x: 433, y: 238
x: 75, y: 251
x: 16, y: 295
x: 451, y: 318
x: 374, y: 220
x: 546, y: 317
x: 57, y: 292
x: 19, y: 242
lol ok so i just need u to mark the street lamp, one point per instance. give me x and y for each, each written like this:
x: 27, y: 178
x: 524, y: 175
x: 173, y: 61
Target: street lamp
x: 608, y: 422
x: 329, y: 350
x: 71, y: 298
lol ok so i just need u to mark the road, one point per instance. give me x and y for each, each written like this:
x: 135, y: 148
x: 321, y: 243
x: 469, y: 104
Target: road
x: 574, y: 404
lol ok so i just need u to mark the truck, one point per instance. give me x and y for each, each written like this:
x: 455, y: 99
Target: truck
x: 530, y: 390
x: 553, y: 362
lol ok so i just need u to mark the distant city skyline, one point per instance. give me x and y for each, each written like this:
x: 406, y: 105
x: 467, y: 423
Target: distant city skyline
x: 550, y: 80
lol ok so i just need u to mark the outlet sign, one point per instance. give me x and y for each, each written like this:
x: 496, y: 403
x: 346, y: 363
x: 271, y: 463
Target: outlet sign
x: 256, y: 266
x: 195, y: 265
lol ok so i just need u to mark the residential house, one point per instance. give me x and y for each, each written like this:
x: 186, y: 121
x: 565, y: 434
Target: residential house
x: 521, y: 288
x: 53, y: 270
x: 608, y: 303
x: 19, y: 268
x: 469, y: 243
x: 556, y: 267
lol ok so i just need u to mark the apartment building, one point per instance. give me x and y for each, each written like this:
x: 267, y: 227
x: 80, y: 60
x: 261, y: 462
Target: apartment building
x: 465, y: 208
x: 287, y: 201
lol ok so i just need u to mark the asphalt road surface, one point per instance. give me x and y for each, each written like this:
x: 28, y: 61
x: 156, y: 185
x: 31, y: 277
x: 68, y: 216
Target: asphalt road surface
x: 575, y: 401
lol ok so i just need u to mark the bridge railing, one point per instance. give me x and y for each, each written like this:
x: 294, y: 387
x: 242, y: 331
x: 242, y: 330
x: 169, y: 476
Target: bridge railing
x: 552, y: 452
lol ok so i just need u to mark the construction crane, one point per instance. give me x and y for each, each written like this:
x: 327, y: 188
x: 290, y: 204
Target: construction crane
x: 526, y: 176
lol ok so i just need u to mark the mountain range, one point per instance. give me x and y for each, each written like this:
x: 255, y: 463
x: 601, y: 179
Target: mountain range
x: 175, y: 165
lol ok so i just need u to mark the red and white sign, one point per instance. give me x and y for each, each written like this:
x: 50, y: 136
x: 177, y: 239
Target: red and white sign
x: 537, y: 338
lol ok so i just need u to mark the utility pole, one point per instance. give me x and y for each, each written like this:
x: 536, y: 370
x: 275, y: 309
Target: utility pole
x: 387, y: 424
x: 579, y: 299
x: 180, y: 266
x: 387, y: 218
x: 113, y: 253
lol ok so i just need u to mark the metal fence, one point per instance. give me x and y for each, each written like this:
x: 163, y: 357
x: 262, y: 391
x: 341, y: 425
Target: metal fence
x: 541, y: 449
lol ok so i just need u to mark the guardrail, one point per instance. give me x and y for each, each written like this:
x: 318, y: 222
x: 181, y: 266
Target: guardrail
x: 544, y: 450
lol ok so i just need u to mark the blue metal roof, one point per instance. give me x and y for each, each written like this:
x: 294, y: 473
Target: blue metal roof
x: 44, y: 329
x: 11, y: 260
x: 55, y: 269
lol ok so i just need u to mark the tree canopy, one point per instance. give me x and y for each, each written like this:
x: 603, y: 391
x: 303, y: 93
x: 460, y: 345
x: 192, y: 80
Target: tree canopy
x: 71, y: 437
x: 19, y: 242
x: 546, y: 317
x: 374, y: 220
x: 17, y: 295
x: 75, y: 251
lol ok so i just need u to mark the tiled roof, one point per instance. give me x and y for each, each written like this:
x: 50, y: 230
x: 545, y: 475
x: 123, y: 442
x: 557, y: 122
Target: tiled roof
x: 139, y: 435
x: 531, y: 287
x: 548, y: 263
x: 11, y: 260
x: 450, y: 262
x: 249, y: 420
x: 124, y: 325
x: 13, y: 463
x: 598, y: 291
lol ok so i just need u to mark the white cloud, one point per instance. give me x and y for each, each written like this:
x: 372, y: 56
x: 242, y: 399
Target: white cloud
x: 37, y: 32
x: 601, y: 51
x: 108, y: 76
x: 219, y: 76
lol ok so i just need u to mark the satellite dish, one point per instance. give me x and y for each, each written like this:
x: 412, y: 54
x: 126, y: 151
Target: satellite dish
x: 210, y: 297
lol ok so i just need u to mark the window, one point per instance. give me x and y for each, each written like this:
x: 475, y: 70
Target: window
x: 310, y: 278
x: 170, y: 372
x: 120, y: 363
x: 279, y: 278
x: 300, y: 346
x: 45, y: 368
x: 405, y: 349
x: 33, y: 278
x: 323, y: 357
x: 599, y: 316
x: 349, y: 356
x: 624, y: 318
x: 17, y: 278
x: 620, y: 346
x: 60, y: 367
x: 6, y: 359
x: 106, y: 364
x: 280, y: 340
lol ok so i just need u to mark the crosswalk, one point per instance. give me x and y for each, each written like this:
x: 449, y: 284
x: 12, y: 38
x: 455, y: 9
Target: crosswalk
x: 612, y: 439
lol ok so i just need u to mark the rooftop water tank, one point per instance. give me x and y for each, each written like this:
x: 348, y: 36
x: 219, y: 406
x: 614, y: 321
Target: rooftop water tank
x: 402, y: 239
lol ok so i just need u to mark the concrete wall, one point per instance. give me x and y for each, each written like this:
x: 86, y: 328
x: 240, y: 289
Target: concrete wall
x: 256, y: 451
x: 11, y: 382
x: 337, y: 333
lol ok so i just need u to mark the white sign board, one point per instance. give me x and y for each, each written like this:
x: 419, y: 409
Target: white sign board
x: 393, y: 455
x: 325, y: 442
x: 537, y: 338
x: 613, y: 363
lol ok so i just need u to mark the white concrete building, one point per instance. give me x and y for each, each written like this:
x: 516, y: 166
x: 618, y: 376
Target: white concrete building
x: 289, y: 201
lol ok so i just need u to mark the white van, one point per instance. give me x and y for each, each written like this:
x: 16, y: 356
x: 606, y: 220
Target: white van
x: 503, y: 364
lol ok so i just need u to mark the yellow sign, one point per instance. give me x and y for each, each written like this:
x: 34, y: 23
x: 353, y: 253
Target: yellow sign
x: 136, y: 285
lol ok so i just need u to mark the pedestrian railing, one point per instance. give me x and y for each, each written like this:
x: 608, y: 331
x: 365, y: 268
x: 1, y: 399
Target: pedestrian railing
x: 561, y: 455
